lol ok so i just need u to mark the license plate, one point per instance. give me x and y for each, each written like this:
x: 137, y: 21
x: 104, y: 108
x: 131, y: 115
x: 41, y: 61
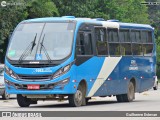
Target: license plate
x: 33, y: 87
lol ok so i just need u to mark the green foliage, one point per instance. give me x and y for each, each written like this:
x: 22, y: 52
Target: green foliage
x: 127, y: 11
x: 124, y: 10
x: 81, y: 8
x: 42, y: 8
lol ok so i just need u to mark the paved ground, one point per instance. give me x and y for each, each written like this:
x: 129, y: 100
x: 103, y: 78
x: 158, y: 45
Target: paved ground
x: 147, y: 101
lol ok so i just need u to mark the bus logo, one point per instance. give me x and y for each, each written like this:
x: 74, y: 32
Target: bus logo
x: 133, y: 65
x: 42, y: 70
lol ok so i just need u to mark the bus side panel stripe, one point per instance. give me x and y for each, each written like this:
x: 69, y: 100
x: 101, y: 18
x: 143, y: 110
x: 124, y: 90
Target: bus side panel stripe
x: 108, y: 66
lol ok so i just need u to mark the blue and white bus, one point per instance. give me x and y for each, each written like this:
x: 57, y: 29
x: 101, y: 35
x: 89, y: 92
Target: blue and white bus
x: 68, y: 58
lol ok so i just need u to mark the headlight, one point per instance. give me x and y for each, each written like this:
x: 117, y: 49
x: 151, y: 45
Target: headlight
x: 61, y: 71
x: 10, y: 72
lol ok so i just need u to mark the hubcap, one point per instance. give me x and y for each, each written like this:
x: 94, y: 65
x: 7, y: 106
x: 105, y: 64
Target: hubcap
x: 78, y: 96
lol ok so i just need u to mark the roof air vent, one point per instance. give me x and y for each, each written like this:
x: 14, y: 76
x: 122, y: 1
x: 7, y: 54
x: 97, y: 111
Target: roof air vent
x: 113, y: 20
x: 99, y: 19
x: 68, y: 16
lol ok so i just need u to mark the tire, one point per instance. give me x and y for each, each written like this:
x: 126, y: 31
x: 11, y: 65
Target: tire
x: 155, y: 87
x: 23, y: 101
x: 5, y: 96
x: 119, y: 98
x: 130, y: 96
x: 77, y: 99
x: 87, y: 100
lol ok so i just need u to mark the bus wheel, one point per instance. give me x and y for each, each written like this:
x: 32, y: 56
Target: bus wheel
x: 23, y: 101
x: 119, y: 98
x: 76, y: 100
x: 87, y: 100
x: 130, y: 96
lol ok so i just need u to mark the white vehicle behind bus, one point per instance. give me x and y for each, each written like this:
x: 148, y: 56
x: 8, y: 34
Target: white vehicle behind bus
x: 155, y: 87
x: 3, y: 93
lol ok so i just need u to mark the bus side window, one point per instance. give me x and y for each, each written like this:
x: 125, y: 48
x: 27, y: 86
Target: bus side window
x: 101, y: 43
x: 136, y: 43
x: 88, y: 44
x: 147, y: 43
x: 113, y: 40
x: 84, y: 44
x: 125, y: 42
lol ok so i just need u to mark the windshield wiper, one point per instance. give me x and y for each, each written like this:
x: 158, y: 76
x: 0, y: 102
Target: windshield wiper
x: 44, y: 49
x: 28, y: 49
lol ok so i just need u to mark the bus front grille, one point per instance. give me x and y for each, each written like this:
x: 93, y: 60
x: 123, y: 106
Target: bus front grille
x: 33, y: 65
x: 37, y: 77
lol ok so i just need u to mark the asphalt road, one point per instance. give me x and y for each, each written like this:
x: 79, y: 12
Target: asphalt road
x: 146, y: 101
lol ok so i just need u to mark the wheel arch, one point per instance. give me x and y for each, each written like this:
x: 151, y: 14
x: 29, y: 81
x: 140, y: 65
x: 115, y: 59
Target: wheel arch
x: 133, y: 80
x: 84, y: 85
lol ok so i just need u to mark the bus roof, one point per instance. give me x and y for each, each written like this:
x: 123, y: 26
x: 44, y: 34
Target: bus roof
x: 108, y: 23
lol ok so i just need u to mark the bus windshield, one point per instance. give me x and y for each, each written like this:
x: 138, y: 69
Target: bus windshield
x: 47, y: 40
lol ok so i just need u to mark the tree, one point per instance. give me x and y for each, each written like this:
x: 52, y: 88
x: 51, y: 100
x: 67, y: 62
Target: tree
x: 124, y: 10
x: 127, y: 11
x: 81, y: 8
x: 41, y: 8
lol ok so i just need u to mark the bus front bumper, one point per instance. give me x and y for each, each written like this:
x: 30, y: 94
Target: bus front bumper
x: 45, y: 88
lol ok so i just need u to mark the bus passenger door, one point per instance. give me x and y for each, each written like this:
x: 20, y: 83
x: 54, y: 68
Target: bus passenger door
x: 87, y: 67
